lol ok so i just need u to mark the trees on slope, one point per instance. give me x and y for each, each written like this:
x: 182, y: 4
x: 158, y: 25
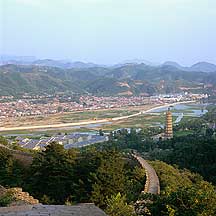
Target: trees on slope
x: 182, y: 194
x: 59, y: 176
x: 109, y: 178
x: 51, y: 174
x: 11, y: 171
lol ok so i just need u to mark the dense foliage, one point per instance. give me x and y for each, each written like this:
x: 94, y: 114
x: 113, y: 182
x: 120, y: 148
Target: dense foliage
x: 194, y: 153
x: 11, y: 171
x: 59, y: 176
x: 117, y: 206
x: 182, y: 193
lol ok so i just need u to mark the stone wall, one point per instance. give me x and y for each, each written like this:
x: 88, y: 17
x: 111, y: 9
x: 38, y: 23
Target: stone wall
x: 18, y: 196
x: 23, y: 157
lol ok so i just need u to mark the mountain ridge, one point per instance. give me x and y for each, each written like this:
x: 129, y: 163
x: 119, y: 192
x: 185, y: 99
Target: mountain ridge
x: 199, y: 66
x: 68, y: 64
x: 137, y: 79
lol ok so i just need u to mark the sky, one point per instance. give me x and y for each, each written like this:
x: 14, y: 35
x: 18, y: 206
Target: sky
x: 110, y: 31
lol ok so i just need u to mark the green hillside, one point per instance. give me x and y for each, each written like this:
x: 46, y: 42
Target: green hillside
x: 133, y: 79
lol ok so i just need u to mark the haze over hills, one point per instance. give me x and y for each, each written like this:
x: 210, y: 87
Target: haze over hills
x: 63, y: 64
x: 204, y: 66
x: 174, y: 64
x: 31, y: 60
x: 200, y: 66
x: 8, y: 58
x: 67, y: 64
x: 138, y: 61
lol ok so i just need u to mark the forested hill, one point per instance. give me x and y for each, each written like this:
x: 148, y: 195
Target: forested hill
x: 129, y: 79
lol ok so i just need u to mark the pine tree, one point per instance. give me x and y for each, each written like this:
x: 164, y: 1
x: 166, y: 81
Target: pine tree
x: 109, y: 178
x: 52, y: 173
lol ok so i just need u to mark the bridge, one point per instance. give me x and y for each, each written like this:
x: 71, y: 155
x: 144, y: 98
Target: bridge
x: 152, y: 184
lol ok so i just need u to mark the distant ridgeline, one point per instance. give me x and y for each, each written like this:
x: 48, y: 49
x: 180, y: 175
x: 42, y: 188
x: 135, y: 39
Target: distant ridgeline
x: 128, y: 79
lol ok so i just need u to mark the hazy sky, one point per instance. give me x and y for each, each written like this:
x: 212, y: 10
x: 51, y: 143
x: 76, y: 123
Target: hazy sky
x: 110, y: 31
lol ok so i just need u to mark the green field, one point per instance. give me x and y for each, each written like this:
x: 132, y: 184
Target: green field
x: 102, y: 114
x: 141, y: 121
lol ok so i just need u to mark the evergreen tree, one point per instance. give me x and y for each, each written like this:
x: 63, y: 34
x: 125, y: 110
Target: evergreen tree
x: 6, y: 166
x: 109, y: 178
x: 11, y: 171
x: 52, y: 174
x: 87, y: 164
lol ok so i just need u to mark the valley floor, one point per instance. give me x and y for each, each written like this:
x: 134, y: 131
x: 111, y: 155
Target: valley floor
x: 82, y: 118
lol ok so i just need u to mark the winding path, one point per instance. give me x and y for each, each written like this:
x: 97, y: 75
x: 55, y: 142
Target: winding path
x: 152, y: 184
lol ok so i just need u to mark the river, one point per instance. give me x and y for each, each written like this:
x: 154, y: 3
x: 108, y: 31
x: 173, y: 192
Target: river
x: 181, y: 110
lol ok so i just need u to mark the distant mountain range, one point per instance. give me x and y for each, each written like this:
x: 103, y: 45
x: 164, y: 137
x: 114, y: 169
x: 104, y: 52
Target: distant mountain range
x: 200, y: 66
x: 204, y: 66
x: 128, y: 79
x: 67, y: 64
x: 63, y: 64
x: 31, y: 60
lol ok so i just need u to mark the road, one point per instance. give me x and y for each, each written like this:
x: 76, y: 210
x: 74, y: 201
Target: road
x: 150, y: 110
x: 2, y: 129
x: 82, y: 209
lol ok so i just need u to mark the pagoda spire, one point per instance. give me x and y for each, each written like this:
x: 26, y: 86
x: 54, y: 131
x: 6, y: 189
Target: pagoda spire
x: 169, y: 125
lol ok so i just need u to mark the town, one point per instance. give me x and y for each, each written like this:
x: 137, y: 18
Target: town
x: 52, y: 104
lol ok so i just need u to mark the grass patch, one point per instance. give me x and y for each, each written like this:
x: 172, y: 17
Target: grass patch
x: 6, y: 199
x: 182, y: 133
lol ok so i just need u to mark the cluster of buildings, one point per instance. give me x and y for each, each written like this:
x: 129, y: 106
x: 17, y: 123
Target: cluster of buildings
x: 51, y: 104
x: 74, y: 140
x: 94, y: 102
x: 172, y: 98
x: 27, y: 107
x: 45, y: 106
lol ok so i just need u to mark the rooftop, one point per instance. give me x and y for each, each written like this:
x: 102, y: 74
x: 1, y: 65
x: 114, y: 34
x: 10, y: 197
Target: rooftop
x: 83, y: 209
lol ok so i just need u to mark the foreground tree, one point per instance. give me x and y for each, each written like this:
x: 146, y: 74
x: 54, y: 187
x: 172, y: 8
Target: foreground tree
x: 109, y: 178
x: 11, y: 171
x: 117, y: 206
x: 3, y: 141
x: 196, y: 200
x: 51, y: 175
x: 6, y: 166
x: 186, y: 201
